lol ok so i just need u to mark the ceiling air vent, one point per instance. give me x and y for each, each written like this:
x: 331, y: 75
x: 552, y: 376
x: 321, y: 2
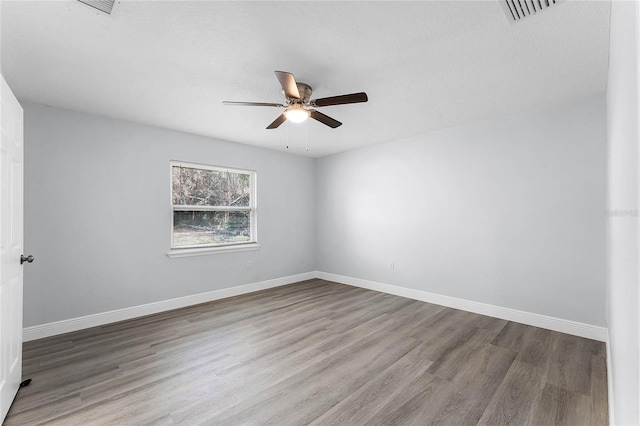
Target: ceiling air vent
x: 517, y: 10
x: 104, y: 6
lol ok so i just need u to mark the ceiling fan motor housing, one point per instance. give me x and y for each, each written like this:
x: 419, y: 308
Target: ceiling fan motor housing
x: 305, y: 94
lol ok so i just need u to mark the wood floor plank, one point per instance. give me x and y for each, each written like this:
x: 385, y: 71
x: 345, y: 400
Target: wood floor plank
x: 570, y: 364
x: 408, y: 407
x: 313, y: 352
x: 457, y: 356
x: 458, y: 402
x: 599, y: 389
x: 277, y: 378
x: 358, y: 407
x: 150, y: 400
x: 558, y: 406
x: 537, y: 347
x: 515, y: 400
x: 344, y: 320
x: 46, y: 412
x: 322, y: 385
x: 513, y: 336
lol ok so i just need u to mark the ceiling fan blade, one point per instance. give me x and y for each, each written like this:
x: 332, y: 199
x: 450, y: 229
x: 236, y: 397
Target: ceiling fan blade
x: 277, y: 122
x: 324, y: 119
x: 353, y: 98
x: 288, y: 83
x: 252, y: 104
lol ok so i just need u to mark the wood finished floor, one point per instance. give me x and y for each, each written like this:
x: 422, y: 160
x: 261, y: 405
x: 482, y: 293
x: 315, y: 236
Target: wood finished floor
x: 316, y: 353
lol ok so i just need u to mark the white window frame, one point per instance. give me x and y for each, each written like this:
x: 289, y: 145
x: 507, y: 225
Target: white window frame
x: 204, y: 249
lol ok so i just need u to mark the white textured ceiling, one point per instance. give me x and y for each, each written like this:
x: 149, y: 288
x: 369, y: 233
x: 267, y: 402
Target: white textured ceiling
x: 425, y: 65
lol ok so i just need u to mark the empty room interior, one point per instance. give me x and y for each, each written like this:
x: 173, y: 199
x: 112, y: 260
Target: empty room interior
x: 320, y: 212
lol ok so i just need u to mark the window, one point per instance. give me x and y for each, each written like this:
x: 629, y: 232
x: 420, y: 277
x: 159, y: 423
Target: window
x: 212, y: 207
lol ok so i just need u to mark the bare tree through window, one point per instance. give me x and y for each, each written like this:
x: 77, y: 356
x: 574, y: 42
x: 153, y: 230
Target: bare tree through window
x: 211, y: 205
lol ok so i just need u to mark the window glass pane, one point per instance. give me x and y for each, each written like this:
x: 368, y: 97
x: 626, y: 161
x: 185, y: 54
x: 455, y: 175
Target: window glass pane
x: 196, y: 228
x: 202, y: 187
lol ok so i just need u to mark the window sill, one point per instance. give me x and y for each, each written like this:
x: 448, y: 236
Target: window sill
x: 203, y: 251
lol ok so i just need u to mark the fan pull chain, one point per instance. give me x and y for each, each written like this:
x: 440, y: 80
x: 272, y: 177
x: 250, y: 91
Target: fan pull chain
x: 306, y: 135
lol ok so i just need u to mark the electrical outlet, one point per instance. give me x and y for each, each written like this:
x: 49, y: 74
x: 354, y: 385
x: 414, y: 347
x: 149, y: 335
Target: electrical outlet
x: 392, y: 265
x: 248, y: 264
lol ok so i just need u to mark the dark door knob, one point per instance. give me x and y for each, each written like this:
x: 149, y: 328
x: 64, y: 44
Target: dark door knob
x: 27, y: 259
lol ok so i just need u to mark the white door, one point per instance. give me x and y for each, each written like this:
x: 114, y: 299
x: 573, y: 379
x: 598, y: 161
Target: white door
x: 11, y: 205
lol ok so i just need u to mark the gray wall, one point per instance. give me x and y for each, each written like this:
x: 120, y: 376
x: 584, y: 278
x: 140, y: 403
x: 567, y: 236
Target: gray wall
x: 624, y: 184
x: 508, y: 212
x: 97, y: 216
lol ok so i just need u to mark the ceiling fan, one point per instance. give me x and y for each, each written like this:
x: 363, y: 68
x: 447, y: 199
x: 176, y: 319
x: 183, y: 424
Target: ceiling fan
x: 299, y: 105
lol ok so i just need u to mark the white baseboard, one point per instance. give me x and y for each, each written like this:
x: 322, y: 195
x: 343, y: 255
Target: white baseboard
x: 542, y: 321
x: 74, y: 324
x: 536, y: 320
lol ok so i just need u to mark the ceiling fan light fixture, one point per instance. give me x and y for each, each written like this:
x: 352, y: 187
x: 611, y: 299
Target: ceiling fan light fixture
x: 298, y: 103
x: 296, y: 114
